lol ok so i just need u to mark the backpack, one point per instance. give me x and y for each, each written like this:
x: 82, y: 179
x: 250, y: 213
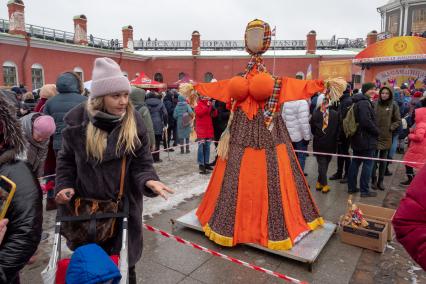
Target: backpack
x: 350, y: 126
x: 186, y: 119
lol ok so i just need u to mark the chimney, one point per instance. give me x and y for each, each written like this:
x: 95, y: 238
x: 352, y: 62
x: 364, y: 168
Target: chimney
x: 311, y: 42
x: 127, y: 38
x: 80, y: 30
x: 371, y: 38
x: 16, y: 17
x: 195, y: 43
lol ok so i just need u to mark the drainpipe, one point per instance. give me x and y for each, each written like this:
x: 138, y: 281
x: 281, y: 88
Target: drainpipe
x: 121, y: 58
x: 194, y: 69
x: 24, y: 60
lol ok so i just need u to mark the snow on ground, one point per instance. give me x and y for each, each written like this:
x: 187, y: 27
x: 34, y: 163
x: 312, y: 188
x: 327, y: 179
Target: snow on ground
x: 181, y: 174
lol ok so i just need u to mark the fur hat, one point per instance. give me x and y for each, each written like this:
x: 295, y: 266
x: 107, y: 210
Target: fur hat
x: 107, y: 78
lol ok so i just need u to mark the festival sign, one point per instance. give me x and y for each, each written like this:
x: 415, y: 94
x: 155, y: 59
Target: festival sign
x: 398, y: 76
x: 335, y: 69
x: 404, y: 48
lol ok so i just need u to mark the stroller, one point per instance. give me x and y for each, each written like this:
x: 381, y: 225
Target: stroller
x: 55, y: 271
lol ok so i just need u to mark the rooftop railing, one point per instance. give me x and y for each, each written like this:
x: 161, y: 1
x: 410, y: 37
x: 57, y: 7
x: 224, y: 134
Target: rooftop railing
x: 115, y: 44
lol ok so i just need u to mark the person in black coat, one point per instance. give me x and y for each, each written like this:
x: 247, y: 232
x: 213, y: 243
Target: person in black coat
x: 170, y: 102
x: 69, y: 88
x: 159, y: 118
x: 343, y: 142
x: 25, y: 213
x: 220, y: 121
x: 98, y: 136
x: 325, y: 141
x: 364, y: 142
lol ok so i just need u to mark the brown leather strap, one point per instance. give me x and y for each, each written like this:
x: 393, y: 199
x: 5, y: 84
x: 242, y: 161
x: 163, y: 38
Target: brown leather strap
x: 123, y: 173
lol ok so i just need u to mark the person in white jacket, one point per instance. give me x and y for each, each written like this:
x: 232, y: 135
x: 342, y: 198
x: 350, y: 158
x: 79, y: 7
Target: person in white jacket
x: 296, y: 116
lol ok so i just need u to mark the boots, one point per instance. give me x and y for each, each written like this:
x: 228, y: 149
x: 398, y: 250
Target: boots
x: 208, y: 167
x: 336, y: 176
x: 187, y: 149
x: 203, y: 170
x: 318, y: 186
x: 182, y: 150
x: 408, y: 181
x: 325, y: 189
x: 380, y: 185
x: 374, y: 182
x: 387, y: 172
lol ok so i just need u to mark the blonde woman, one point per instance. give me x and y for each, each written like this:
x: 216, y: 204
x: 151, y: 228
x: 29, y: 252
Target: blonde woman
x: 98, y: 135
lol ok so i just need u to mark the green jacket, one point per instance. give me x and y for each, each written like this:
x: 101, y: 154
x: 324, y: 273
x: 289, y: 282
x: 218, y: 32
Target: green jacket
x: 388, y: 119
x: 137, y: 96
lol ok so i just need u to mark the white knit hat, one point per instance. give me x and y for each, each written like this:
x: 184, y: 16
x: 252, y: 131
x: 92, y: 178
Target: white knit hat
x: 107, y: 78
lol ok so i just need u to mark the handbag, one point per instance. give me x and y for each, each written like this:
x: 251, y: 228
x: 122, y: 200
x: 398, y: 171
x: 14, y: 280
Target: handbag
x: 92, y: 220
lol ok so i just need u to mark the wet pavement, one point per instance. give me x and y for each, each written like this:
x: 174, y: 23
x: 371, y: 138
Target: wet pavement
x: 166, y: 261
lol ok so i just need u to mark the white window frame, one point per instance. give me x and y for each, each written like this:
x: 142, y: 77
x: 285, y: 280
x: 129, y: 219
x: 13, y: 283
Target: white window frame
x: 12, y: 64
x: 38, y: 66
x: 79, y: 70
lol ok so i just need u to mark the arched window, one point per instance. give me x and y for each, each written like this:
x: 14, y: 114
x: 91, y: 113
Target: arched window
x: 182, y: 75
x: 208, y: 77
x: 79, y: 71
x: 10, y: 74
x: 158, y: 77
x: 37, y: 76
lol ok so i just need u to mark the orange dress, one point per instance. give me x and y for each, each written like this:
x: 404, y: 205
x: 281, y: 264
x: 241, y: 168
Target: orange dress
x: 259, y: 194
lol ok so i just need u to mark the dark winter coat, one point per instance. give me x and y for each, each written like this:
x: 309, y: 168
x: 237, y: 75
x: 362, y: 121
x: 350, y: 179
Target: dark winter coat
x: 203, y: 119
x: 220, y: 122
x: 25, y: 212
x: 91, y: 179
x: 170, y: 103
x: 409, y: 220
x: 365, y: 138
x: 344, y: 106
x: 68, y: 97
x: 158, y: 113
x: 388, y: 120
x: 137, y: 97
x: 325, y: 141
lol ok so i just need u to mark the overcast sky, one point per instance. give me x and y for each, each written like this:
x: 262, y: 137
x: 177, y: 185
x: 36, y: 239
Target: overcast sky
x: 214, y: 19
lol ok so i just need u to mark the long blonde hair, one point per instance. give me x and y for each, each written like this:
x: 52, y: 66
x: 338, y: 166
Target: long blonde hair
x: 96, y: 138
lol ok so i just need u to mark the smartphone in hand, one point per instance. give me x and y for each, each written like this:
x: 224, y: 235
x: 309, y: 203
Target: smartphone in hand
x: 7, y: 191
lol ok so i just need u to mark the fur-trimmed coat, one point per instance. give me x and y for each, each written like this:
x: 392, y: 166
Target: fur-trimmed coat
x: 25, y: 212
x: 91, y: 179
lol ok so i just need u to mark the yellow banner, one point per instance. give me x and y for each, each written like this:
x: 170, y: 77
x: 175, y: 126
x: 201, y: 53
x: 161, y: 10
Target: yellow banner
x: 335, y: 68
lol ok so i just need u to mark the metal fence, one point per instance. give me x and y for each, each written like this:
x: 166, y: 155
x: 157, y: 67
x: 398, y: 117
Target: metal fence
x: 63, y: 36
x: 115, y: 44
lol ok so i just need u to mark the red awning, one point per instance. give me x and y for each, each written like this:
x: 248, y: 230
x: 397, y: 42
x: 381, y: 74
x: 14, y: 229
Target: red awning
x: 144, y: 82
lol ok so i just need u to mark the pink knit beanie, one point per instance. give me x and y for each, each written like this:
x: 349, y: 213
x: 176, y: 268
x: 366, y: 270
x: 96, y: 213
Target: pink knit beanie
x: 107, y: 78
x: 44, y: 126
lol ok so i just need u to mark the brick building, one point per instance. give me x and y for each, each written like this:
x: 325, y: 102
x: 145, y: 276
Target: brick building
x: 35, y: 56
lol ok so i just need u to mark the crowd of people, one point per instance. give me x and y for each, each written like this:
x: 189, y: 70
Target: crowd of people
x: 78, y: 140
x: 383, y: 121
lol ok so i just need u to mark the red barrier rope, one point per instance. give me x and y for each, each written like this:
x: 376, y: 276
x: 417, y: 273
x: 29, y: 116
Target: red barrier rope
x: 212, y: 252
